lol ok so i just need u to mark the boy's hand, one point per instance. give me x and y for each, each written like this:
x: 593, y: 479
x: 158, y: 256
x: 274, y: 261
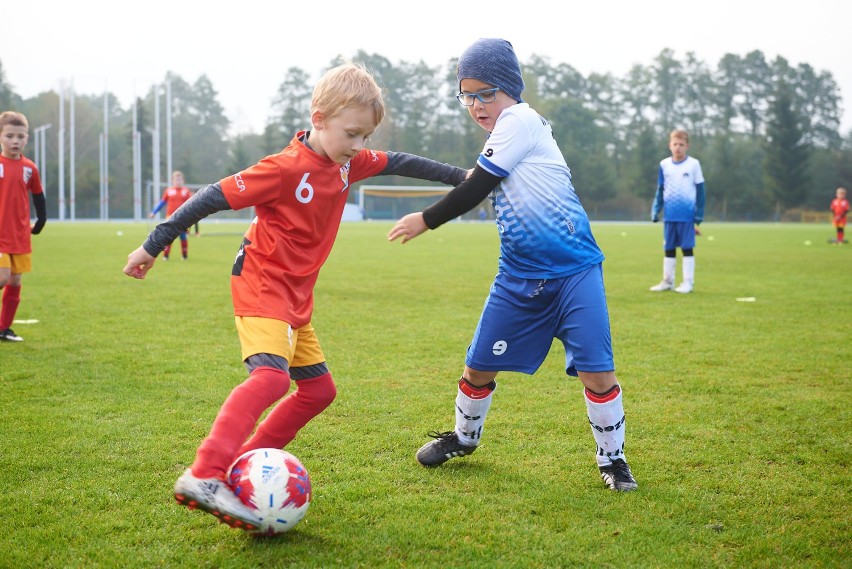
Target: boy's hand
x: 408, y: 227
x: 138, y: 263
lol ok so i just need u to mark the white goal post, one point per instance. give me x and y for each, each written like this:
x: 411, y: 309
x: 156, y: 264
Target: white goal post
x: 393, y: 202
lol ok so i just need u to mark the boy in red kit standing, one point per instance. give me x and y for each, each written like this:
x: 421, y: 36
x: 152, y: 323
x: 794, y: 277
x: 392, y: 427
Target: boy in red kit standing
x: 18, y: 179
x: 174, y: 197
x: 839, y: 208
x: 299, y: 195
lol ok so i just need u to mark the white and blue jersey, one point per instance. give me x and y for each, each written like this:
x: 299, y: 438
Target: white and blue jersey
x: 550, y: 279
x: 544, y: 230
x: 680, y: 181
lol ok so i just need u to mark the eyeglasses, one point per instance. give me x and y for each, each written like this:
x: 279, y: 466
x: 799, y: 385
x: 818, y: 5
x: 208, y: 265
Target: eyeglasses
x: 484, y: 96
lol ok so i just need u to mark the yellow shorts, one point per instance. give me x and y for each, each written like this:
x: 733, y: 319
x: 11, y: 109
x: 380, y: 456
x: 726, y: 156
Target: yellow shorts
x: 299, y: 347
x: 19, y: 263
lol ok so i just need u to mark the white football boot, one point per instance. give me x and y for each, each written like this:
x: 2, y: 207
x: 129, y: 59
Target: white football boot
x: 214, y: 497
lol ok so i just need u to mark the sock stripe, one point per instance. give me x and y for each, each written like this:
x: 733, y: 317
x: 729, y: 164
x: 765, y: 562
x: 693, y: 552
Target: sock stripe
x: 476, y: 392
x: 603, y: 397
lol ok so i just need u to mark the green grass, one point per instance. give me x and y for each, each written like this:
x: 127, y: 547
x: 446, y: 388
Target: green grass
x: 738, y: 412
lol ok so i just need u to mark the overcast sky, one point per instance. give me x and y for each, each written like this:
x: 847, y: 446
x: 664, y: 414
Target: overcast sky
x: 245, y: 47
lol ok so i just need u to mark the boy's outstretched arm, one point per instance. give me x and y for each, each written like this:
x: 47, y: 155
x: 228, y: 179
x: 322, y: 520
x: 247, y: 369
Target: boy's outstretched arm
x: 458, y: 201
x: 206, y: 201
x: 414, y: 166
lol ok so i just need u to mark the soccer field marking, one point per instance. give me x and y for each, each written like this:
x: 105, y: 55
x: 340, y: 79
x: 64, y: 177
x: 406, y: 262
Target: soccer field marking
x: 30, y: 321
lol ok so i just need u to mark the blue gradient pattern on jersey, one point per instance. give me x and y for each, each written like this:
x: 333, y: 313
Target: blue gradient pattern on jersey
x: 544, y: 230
x: 679, y: 180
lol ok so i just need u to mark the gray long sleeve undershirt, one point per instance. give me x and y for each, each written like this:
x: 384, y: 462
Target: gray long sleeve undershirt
x: 206, y: 201
x: 413, y: 166
x: 211, y: 199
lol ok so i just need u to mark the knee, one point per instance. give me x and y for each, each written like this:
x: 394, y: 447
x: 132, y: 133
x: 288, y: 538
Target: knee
x: 478, y: 378
x: 321, y: 391
x: 598, y: 382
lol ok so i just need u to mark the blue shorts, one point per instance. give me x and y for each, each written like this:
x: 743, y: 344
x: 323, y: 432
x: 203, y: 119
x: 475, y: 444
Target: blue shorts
x: 521, y: 318
x: 678, y: 234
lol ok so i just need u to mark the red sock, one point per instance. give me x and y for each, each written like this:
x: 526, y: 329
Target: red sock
x: 311, y: 397
x: 11, y: 300
x: 184, y: 247
x: 236, y: 420
x: 166, y: 251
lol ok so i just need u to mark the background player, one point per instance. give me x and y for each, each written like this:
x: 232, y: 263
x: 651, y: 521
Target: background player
x: 680, y: 192
x: 18, y: 179
x: 839, y: 209
x: 173, y: 197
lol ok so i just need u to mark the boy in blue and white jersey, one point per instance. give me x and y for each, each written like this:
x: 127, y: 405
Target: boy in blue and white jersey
x: 549, y: 282
x: 680, y: 191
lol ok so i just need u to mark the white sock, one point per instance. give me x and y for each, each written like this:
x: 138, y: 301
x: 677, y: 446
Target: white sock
x: 472, y: 404
x: 606, y: 417
x: 689, y: 270
x: 669, y: 269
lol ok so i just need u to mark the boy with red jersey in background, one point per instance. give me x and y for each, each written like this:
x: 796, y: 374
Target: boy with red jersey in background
x: 299, y: 195
x: 174, y: 197
x: 839, y: 209
x: 18, y: 179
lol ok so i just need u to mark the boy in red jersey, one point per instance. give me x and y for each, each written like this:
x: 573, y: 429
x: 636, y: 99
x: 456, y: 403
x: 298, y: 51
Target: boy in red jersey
x: 299, y: 195
x: 174, y: 197
x: 18, y: 178
x: 839, y: 209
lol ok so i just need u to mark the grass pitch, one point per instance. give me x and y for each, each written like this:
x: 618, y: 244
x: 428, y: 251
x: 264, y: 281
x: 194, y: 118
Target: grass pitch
x: 738, y: 414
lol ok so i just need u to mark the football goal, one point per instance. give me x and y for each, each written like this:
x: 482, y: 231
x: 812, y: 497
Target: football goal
x: 393, y: 202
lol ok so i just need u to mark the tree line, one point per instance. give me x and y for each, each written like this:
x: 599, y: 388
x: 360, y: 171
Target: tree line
x: 767, y: 132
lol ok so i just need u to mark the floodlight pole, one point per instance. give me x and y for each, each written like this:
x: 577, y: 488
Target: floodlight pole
x: 137, y: 165
x: 105, y: 161
x: 71, y: 157
x: 40, y: 154
x: 155, y: 134
x: 169, y: 169
x: 61, y: 146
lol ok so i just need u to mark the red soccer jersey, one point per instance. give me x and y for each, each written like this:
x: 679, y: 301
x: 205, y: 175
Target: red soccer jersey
x: 839, y: 207
x: 299, y: 198
x: 175, y: 197
x: 18, y: 178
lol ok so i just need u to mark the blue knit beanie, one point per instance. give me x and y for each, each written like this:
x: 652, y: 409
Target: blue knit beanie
x: 493, y: 61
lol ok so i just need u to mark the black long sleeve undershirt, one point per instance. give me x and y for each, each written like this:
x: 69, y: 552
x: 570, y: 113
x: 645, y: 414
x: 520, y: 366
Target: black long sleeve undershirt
x: 40, y: 204
x: 461, y: 199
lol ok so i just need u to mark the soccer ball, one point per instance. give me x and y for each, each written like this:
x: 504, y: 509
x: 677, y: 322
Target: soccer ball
x: 273, y: 483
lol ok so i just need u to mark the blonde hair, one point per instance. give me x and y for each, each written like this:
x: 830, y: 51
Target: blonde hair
x: 344, y: 86
x: 679, y: 133
x: 13, y: 118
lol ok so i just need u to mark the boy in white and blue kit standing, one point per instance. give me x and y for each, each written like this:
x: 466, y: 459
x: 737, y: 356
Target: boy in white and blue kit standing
x: 549, y: 282
x: 680, y: 191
